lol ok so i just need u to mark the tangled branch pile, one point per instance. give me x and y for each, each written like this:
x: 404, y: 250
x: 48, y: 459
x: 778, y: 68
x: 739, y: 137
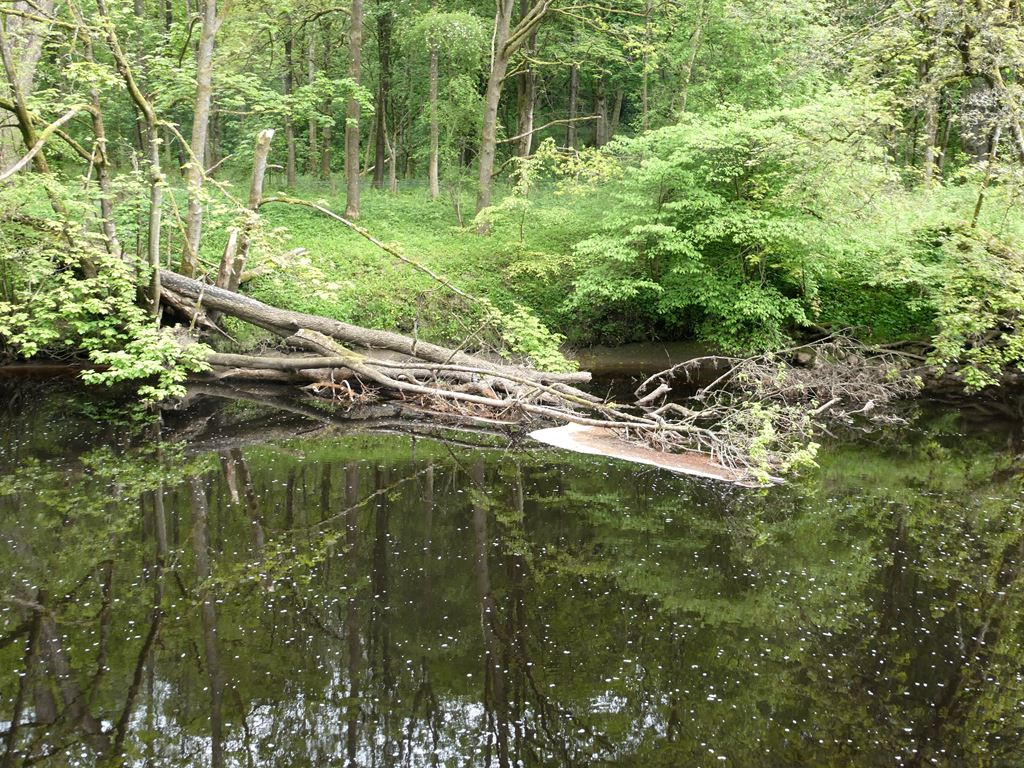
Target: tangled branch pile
x: 753, y: 420
x: 761, y: 413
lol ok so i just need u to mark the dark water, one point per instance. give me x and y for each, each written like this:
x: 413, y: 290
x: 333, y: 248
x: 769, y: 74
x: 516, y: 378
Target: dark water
x: 641, y: 358
x: 257, y: 588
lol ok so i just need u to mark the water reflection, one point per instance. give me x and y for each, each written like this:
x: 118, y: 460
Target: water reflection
x: 207, y: 599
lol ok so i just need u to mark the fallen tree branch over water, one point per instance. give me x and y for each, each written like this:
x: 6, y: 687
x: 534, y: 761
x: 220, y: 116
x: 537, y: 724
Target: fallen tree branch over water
x: 753, y: 421
x: 448, y: 382
x: 837, y: 376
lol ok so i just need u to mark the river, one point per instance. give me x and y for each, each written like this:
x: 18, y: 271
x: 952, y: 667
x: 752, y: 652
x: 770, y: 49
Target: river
x: 252, y: 586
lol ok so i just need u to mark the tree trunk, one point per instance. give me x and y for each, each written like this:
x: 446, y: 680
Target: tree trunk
x: 311, y: 159
x: 574, y: 92
x: 327, y: 133
x: 526, y: 90
x: 698, y: 31
x: 492, y: 97
x: 944, y: 145
x: 326, y: 138
x: 433, y: 163
x: 931, y: 134
x: 103, y: 170
x: 392, y: 147
x: 23, y: 37
x: 200, y: 132
x: 369, y: 150
x: 601, y: 110
x: 384, y: 23
x: 355, y: 44
x: 285, y: 323
x: 289, y: 127
x: 645, y: 119
x: 156, y: 176
x: 616, y: 113
x: 993, y: 153
x: 213, y: 141
x: 259, y: 169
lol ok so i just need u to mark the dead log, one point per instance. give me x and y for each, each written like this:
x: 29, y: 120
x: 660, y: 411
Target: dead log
x: 444, y: 383
x: 285, y: 323
x: 259, y: 169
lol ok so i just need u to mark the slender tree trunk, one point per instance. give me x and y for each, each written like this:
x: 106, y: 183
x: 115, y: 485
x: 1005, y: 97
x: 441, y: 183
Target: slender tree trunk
x: 492, y: 97
x: 355, y: 44
x: 691, y: 60
x: 616, y: 113
x: 526, y: 89
x: 574, y: 93
x: 289, y: 126
x: 392, y: 148
x: 200, y: 134
x: 156, y: 176
x: 433, y: 163
x: 103, y: 170
x: 327, y: 133
x: 25, y: 38
x: 601, y: 110
x: 311, y: 159
x: 944, y: 145
x: 213, y: 155
x: 527, y: 104
x: 931, y: 134
x: 505, y: 42
x: 384, y: 23
x: 645, y: 117
x: 993, y: 152
x: 369, y: 150
x: 231, y: 278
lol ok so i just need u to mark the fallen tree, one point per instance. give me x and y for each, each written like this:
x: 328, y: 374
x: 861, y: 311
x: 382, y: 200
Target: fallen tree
x: 754, y: 421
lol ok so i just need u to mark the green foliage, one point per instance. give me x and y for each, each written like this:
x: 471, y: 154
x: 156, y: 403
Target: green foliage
x: 525, y: 335
x: 781, y: 189
x: 979, y: 308
x: 460, y: 36
x: 726, y: 224
x: 50, y: 303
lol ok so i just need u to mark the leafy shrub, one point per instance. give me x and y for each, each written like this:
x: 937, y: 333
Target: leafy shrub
x: 726, y: 224
x: 48, y: 304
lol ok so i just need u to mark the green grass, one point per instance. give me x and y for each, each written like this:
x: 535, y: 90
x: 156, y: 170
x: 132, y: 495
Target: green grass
x: 344, y: 276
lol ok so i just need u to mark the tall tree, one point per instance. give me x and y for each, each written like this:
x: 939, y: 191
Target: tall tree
x: 24, y: 37
x: 385, y: 22
x: 506, y: 41
x: 355, y: 44
x: 574, y: 94
x: 433, y: 157
x: 209, y: 24
x: 288, y: 80
x: 314, y: 128
x: 526, y: 91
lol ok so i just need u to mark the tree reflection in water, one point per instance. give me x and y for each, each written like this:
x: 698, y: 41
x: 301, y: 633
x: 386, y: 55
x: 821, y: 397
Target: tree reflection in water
x: 213, y: 598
